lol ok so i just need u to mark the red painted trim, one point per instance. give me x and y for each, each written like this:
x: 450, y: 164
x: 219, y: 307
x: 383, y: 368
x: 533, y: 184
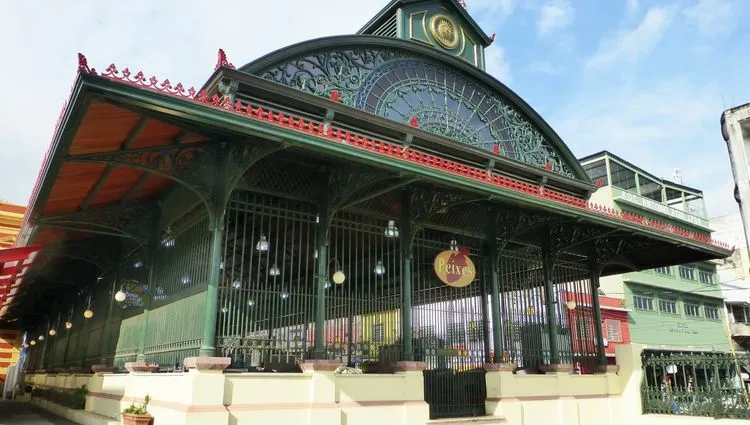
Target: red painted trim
x: 17, y: 254
x: 384, y: 148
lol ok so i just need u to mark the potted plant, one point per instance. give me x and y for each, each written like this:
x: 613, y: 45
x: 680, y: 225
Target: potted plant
x: 137, y: 414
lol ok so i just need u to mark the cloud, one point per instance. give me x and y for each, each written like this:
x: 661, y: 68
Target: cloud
x: 659, y: 126
x: 554, y: 15
x: 172, y: 39
x: 496, y: 64
x: 712, y: 17
x: 633, y: 44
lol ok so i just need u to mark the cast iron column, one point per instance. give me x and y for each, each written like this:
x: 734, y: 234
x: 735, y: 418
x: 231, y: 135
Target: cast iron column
x: 321, y: 236
x: 406, y: 239
x: 548, y: 261
x: 493, y: 274
x: 105, y: 338
x: 217, y: 202
x: 595, y: 272
x: 208, y: 348
x: 44, y: 362
x: 153, y: 243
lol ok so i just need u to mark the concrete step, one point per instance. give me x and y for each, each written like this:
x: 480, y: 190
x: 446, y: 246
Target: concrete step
x: 472, y: 420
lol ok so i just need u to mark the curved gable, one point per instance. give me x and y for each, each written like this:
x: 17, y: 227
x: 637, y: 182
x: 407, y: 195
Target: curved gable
x: 412, y: 84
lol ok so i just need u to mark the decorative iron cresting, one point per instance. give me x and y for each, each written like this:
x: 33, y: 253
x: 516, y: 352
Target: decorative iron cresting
x: 392, y: 150
x: 400, y: 86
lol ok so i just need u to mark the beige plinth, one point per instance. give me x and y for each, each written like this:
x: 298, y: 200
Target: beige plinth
x: 207, y: 363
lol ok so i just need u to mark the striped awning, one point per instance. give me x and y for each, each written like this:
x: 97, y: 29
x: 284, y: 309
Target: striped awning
x: 13, y: 265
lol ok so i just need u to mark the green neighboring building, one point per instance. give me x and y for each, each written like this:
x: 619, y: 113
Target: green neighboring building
x: 677, y: 307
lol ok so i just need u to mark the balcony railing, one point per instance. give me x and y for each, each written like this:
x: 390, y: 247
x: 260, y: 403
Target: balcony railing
x: 740, y: 329
x: 621, y: 195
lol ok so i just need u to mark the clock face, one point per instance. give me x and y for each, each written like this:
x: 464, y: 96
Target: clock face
x: 402, y: 86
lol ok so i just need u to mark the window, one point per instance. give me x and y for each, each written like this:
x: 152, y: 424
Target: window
x: 643, y: 302
x: 614, y: 330
x: 597, y: 171
x: 649, y: 188
x: 378, y: 335
x: 584, y: 328
x: 476, y: 329
x: 712, y: 312
x: 692, y: 310
x: 687, y: 272
x: 706, y: 277
x: 663, y: 270
x: 622, y: 177
x: 667, y: 305
x: 456, y: 333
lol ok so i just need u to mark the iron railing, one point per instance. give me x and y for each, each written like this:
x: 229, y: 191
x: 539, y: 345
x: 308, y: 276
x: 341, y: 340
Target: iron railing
x: 696, y: 384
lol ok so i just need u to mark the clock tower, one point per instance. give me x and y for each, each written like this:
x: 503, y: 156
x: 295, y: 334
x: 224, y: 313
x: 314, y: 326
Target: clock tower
x: 441, y: 24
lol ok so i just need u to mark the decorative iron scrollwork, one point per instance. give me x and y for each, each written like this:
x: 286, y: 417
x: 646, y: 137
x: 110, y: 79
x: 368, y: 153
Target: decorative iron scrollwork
x: 407, y: 88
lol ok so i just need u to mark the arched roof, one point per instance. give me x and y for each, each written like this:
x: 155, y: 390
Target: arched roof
x: 411, y: 83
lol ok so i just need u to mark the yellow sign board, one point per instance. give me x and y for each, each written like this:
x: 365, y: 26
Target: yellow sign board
x: 455, y: 268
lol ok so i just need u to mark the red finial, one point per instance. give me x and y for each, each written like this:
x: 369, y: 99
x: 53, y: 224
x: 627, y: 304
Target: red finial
x: 222, y: 61
x: 496, y: 148
x: 414, y: 122
x: 599, y: 182
x: 335, y: 96
x: 492, y: 38
x: 83, y: 65
x: 463, y: 4
x: 548, y: 166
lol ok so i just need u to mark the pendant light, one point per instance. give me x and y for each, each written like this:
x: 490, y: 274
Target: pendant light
x: 237, y: 284
x: 88, y: 314
x: 379, y: 268
x: 274, y: 271
x: 262, y: 245
x: 167, y: 240
x: 120, y: 296
x: 454, y: 245
x: 391, y: 231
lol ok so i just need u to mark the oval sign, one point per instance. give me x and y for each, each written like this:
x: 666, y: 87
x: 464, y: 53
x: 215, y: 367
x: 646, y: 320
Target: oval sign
x: 455, y: 269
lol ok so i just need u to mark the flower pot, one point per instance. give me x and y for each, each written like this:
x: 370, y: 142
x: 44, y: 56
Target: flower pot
x: 131, y: 419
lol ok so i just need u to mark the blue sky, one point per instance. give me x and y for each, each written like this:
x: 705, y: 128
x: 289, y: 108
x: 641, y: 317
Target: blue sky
x: 647, y: 80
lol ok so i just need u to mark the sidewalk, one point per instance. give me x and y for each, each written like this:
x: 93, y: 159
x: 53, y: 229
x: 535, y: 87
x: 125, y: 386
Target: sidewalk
x: 18, y: 413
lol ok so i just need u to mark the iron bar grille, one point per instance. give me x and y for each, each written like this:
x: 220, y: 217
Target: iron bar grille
x: 525, y: 328
x: 696, y: 384
x: 267, y: 298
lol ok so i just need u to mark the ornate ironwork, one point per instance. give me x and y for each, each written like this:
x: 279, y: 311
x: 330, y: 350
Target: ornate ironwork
x: 222, y: 61
x: 406, y: 88
x: 695, y: 384
x: 512, y: 223
x: 97, y: 252
x: 397, y: 152
x: 126, y: 220
x: 187, y: 164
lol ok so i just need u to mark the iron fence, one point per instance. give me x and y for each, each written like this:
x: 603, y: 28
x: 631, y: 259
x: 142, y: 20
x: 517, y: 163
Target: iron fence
x: 696, y: 384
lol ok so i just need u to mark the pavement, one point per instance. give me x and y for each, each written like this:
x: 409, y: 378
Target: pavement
x: 21, y: 413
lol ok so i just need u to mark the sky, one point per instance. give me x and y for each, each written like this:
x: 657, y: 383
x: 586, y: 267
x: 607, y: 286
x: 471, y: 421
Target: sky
x: 646, y: 80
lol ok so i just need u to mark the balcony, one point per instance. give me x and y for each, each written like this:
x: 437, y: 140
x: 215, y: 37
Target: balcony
x: 649, y: 205
x: 740, y: 329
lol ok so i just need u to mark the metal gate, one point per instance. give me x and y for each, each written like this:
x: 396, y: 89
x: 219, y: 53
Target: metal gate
x: 450, y: 331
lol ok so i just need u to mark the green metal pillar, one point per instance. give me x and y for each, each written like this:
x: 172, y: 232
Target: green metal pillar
x: 44, y: 362
x: 104, y: 350
x: 548, y: 263
x: 153, y: 243
x: 492, y: 274
x: 595, y: 273
x: 321, y: 245
x: 208, y: 348
x: 407, y: 243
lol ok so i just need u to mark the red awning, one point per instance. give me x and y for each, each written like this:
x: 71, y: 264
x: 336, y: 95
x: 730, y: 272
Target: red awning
x: 13, y: 265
